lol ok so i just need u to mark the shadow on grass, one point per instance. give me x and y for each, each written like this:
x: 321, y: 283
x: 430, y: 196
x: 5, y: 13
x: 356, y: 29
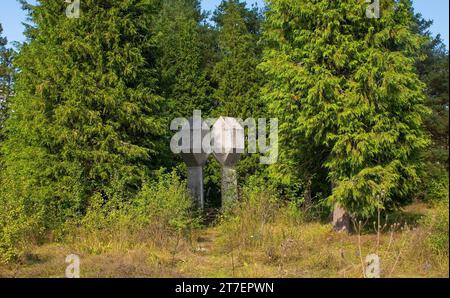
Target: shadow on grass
x: 33, y: 259
x: 393, y: 220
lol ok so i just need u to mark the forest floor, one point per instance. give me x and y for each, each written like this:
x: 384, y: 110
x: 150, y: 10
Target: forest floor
x: 305, y: 250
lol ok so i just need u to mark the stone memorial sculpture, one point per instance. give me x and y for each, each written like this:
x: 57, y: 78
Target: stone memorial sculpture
x: 195, y: 157
x: 228, y: 138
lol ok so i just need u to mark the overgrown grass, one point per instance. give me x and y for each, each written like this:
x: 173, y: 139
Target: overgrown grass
x: 278, y: 235
x: 161, y: 213
x: 160, y: 235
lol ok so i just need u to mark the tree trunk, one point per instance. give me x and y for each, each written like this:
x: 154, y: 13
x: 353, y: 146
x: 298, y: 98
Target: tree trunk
x: 341, y: 219
x: 308, y: 195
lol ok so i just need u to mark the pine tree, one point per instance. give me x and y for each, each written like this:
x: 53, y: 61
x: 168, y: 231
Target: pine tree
x: 343, y: 85
x: 86, y: 113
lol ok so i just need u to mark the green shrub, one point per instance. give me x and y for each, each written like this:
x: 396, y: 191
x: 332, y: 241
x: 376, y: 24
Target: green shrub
x: 293, y: 212
x: 161, y: 209
x: 16, y: 229
x: 435, y: 182
x: 437, y: 226
x: 167, y: 203
x: 438, y: 188
x: 21, y: 222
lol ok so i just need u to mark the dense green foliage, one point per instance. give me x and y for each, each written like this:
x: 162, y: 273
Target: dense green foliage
x: 84, y: 129
x: 180, y: 62
x: 6, y: 78
x: 349, y: 92
x: 433, y: 71
x: 162, y: 202
x: 86, y: 115
x: 236, y: 76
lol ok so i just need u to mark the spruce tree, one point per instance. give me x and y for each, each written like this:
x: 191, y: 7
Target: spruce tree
x: 6, y: 77
x: 180, y: 65
x: 180, y: 60
x: 344, y: 87
x: 235, y: 75
x: 86, y: 113
x: 433, y: 71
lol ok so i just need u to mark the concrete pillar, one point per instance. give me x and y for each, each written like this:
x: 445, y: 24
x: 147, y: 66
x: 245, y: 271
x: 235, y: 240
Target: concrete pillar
x: 229, y: 143
x: 192, y: 135
x: 195, y: 185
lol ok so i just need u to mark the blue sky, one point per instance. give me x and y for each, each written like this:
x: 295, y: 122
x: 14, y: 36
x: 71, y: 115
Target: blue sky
x: 11, y: 16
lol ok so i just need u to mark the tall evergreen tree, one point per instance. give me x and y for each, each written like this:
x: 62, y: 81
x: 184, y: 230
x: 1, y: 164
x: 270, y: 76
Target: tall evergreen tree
x: 235, y: 75
x: 433, y: 70
x: 343, y: 85
x: 86, y: 116
x: 250, y: 16
x: 181, y: 65
x: 180, y: 61
x: 6, y: 77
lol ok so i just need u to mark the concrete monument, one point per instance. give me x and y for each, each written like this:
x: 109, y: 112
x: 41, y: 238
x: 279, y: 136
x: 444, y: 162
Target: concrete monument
x: 228, y: 137
x: 195, y: 157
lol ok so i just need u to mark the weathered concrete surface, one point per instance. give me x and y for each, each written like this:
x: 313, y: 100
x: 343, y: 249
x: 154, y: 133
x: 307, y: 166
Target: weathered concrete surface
x: 195, y: 155
x: 229, y: 143
x: 195, y: 185
x: 195, y: 160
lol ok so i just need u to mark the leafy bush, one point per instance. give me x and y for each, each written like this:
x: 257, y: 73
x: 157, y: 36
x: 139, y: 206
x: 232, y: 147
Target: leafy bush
x: 161, y: 210
x: 437, y: 225
x: 21, y: 221
x: 167, y: 203
x: 436, y: 184
x: 15, y: 231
